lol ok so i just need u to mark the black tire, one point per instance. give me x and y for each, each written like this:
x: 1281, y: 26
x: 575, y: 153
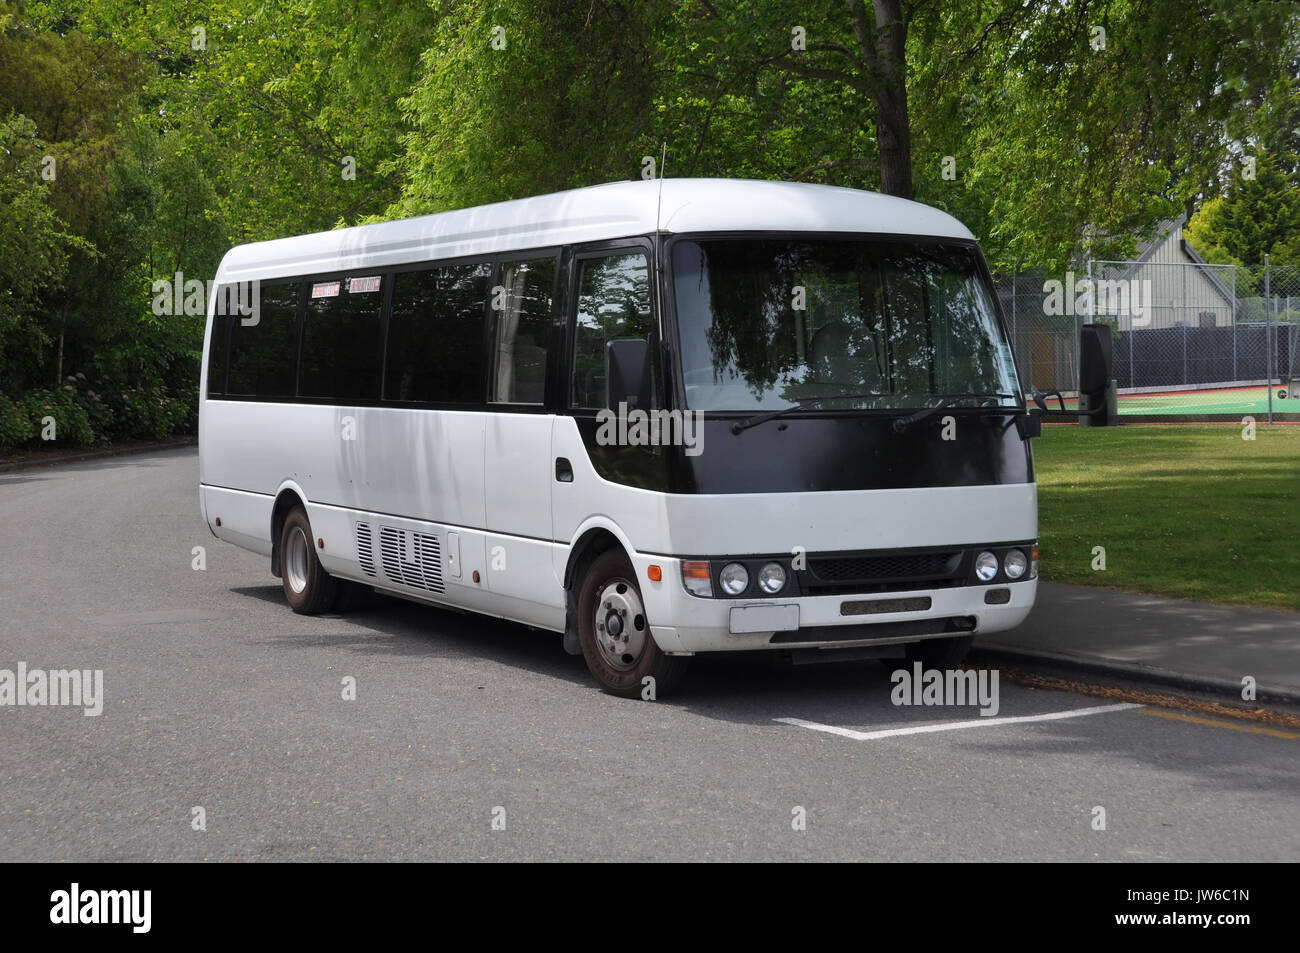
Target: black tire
x: 940, y: 653
x: 612, y: 579
x: 352, y: 596
x: 308, y: 588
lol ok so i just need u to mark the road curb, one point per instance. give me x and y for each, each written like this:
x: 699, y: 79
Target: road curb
x: 97, y: 454
x: 1056, y: 662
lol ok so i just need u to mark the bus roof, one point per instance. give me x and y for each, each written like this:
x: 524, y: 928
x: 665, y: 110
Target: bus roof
x: 597, y: 213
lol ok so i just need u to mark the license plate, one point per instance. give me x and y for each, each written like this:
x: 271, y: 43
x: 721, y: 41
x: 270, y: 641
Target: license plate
x: 746, y: 619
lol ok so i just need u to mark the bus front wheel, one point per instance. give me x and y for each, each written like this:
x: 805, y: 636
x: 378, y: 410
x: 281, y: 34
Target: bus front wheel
x: 615, y: 634
x: 940, y: 653
x: 308, y: 588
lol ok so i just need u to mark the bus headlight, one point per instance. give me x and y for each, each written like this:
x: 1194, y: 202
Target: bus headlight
x: 734, y: 579
x: 771, y: 578
x: 986, y: 566
x: 1015, y: 564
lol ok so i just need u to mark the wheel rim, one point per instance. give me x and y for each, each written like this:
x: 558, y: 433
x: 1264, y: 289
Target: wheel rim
x: 621, y: 630
x: 295, y: 560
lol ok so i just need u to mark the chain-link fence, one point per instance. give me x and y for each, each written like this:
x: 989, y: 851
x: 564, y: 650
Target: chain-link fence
x: 1044, y: 340
x: 1177, y: 327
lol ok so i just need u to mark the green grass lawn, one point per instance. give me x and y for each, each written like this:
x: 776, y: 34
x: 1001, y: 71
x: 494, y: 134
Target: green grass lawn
x: 1190, y: 512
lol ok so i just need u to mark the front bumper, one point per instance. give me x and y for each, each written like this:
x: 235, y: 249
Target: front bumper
x: 683, y: 623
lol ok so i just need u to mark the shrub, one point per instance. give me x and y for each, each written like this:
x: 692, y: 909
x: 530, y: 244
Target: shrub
x: 147, y: 412
x: 71, y: 422
x: 97, y: 411
x: 15, y: 426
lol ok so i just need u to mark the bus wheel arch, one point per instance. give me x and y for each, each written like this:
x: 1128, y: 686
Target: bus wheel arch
x: 585, y: 551
x: 285, y: 502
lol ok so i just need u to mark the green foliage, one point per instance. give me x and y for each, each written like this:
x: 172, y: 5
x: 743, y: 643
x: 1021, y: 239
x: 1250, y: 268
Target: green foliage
x: 275, y: 102
x: 737, y: 100
x: 1067, y: 151
x: 127, y: 200
x: 147, y: 413
x: 564, y: 103
x: 77, y: 90
x: 71, y: 422
x: 151, y: 382
x: 98, y: 412
x: 15, y: 426
x: 1256, y: 217
x: 179, y: 127
x: 84, y: 416
x: 34, y: 248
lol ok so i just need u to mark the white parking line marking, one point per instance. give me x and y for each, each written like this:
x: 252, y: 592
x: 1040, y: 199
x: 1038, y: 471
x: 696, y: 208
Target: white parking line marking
x: 952, y: 725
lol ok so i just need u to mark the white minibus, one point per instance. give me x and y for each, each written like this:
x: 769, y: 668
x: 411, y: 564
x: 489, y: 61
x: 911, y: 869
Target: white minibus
x: 659, y: 417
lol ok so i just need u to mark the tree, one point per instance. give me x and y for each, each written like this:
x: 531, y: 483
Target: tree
x: 1255, y: 217
x: 1256, y: 211
x: 1072, y: 127
x: 34, y: 249
x: 529, y: 97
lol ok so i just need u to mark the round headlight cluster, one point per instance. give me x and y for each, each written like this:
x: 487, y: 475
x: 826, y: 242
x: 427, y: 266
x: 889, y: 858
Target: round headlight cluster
x: 1015, y: 564
x: 986, y: 566
x: 734, y: 579
x: 771, y: 578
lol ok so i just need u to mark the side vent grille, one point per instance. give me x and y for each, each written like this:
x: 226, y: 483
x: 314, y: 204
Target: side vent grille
x: 412, y: 559
x: 365, y: 549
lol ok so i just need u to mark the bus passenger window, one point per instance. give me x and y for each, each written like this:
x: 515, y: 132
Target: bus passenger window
x: 435, y: 335
x: 264, y: 354
x: 342, y: 347
x: 520, y: 332
x: 613, y: 303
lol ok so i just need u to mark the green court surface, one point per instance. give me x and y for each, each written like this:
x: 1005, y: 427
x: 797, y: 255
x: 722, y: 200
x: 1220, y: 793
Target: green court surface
x: 1227, y: 400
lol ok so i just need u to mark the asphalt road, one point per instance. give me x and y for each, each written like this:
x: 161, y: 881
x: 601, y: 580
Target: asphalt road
x: 217, y: 696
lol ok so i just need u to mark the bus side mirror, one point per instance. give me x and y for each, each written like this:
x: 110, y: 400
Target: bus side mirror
x: 1029, y: 425
x: 627, y: 373
x: 1097, y: 396
x: 1094, y: 357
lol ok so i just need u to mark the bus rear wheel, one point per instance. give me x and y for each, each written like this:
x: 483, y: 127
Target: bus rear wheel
x: 308, y: 588
x: 615, y: 634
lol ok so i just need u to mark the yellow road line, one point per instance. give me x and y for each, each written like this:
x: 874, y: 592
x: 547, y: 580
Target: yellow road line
x: 1214, y: 723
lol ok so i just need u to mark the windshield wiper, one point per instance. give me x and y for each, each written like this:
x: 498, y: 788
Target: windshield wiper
x: 902, y: 423
x: 799, y: 404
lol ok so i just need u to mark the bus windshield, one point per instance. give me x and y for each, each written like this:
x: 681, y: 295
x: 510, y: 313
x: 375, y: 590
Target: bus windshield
x: 766, y: 323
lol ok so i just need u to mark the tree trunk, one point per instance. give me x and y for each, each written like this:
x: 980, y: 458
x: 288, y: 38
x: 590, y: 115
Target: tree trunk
x: 893, y: 131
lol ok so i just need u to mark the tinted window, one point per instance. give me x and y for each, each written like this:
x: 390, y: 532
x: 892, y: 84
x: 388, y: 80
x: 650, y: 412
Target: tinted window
x: 613, y: 303
x: 522, y: 326
x: 264, y: 346
x: 217, y: 354
x: 435, y: 335
x: 341, y: 339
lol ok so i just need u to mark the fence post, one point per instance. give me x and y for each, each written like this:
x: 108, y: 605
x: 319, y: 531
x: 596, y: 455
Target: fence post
x: 1015, y: 338
x: 1132, y: 332
x: 1268, y: 333
x: 1013, y: 307
x: 1236, y: 376
x: 1079, y: 322
x: 1184, y: 353
x: 1186, y: 321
